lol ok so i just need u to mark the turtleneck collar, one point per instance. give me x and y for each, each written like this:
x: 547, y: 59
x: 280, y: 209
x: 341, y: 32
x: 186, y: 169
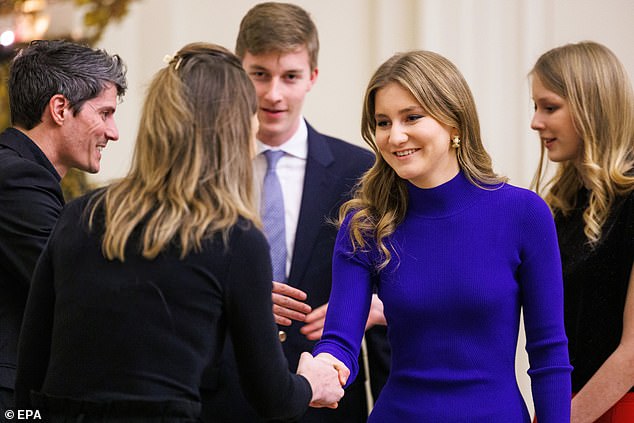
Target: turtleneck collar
x: 444, y: 200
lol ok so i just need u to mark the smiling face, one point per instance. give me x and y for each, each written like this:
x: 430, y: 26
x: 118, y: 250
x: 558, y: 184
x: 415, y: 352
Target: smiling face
x: 553, y: 121
x: 281, y: 81
x: 414, y: 144
x: 88, y: 132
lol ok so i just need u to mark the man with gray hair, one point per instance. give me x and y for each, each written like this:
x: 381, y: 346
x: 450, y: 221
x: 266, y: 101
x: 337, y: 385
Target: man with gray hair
x: 63, y: 97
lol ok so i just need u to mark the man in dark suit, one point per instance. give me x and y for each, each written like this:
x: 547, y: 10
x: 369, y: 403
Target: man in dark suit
x: 278, y: 45
x: 63, y: 97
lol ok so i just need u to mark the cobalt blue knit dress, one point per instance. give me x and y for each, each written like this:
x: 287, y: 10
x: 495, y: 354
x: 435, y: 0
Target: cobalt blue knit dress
x: 465, y: 261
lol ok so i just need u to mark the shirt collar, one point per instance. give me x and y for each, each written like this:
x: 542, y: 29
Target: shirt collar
x: 296, y: 145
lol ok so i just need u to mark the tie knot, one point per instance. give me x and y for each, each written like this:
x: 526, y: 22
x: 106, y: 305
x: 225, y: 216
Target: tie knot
x: 272, y: 157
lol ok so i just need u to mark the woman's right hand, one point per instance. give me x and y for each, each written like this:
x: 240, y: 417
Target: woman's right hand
x: 324, y: 380
x: 342, y: 370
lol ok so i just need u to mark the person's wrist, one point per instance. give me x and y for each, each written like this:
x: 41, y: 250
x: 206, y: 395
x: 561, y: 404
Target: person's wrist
x: 311, y: 387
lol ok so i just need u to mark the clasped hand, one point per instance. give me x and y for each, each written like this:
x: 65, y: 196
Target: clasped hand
x: 326, y: 376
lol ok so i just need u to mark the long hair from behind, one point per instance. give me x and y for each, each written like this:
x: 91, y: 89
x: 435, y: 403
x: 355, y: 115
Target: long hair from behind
x: 191, y: 173
x: 598, y: 90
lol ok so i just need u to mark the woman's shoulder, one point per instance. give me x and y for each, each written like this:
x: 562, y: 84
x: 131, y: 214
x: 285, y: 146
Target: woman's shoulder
x: 77, y: 205
x: 525, y: 205
x: 244, y: 232
x: 517, y: 195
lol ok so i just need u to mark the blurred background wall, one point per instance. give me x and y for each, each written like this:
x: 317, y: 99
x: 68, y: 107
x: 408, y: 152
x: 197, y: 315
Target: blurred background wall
x: 493, y: 42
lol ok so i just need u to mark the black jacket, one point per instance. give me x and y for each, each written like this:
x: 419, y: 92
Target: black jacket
x: 30, y: 203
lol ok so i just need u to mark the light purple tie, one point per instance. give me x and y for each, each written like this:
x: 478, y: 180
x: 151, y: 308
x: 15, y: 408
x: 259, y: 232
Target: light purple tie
x: 272, y: 212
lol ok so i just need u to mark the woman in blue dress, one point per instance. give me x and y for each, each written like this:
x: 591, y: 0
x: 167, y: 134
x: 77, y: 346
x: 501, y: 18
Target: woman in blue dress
x: 455, y: 254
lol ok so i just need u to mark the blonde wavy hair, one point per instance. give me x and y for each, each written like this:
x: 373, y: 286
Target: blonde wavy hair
x: 381, y: 199
x: 191, y: 174
x: 595, y: 84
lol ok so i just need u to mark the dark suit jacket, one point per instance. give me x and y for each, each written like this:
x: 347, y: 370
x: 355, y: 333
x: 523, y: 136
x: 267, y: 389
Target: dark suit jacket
x: 30, y: 203
x: 332, y: 169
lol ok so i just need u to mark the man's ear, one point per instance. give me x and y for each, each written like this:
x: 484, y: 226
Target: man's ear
x: 313, y: 78
x: 58, y: 108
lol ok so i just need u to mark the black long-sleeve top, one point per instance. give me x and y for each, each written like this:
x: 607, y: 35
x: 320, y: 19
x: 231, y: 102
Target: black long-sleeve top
x: 596, y: 281
x: 103, y: 330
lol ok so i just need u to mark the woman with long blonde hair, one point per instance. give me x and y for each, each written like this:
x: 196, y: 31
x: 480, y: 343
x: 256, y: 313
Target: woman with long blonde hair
x: 584, y: 113
x: 454, y: 252
x: 141, y: 280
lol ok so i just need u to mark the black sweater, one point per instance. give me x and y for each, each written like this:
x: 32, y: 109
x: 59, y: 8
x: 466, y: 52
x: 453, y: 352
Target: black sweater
x: 103, y: 330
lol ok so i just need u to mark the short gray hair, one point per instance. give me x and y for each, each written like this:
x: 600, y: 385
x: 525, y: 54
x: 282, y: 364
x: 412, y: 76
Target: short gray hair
x: 46, y: 68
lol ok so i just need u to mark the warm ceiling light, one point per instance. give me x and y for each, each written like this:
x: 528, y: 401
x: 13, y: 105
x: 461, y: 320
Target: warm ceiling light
x: 32, y: 20
x: 33, y: 6
x: 7, y: 38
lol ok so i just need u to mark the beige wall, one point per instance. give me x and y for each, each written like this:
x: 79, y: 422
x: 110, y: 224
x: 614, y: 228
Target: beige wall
x: 494, y: 43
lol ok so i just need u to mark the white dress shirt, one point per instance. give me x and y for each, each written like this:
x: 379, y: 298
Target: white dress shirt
x: 291, y: 170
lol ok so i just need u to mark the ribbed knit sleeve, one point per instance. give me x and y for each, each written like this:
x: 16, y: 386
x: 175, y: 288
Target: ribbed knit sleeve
x: 349, y: 303
x: 541, y: 289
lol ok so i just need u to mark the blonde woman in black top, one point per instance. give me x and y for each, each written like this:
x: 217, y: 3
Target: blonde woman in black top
x: 141, y: 280
x: 584, y: 113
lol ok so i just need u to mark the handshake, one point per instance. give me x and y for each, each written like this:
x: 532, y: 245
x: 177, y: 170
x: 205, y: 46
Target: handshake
x: 326, y: 376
